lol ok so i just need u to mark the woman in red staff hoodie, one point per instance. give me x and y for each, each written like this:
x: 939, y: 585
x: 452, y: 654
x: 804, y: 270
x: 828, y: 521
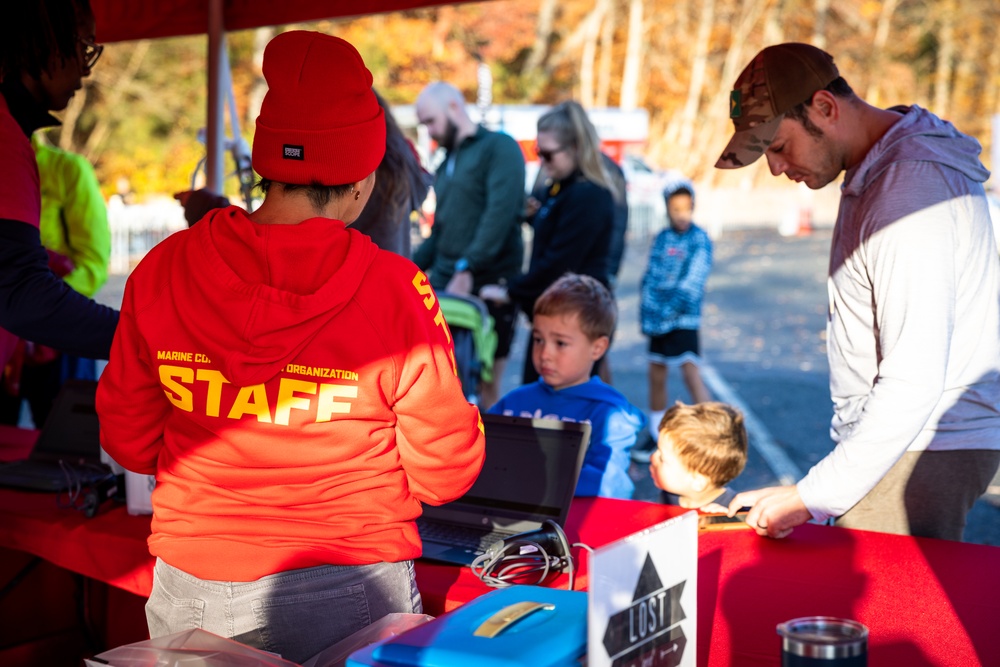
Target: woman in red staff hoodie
x: 291, y: 386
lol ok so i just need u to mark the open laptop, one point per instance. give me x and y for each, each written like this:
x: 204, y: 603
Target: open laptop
x: 529, y: 476
x: 67, y: 454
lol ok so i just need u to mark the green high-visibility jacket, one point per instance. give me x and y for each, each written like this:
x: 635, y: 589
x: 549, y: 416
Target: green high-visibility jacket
x: 74, y: 218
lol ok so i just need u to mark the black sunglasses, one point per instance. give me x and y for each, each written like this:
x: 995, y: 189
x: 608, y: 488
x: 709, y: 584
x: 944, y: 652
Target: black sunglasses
x: 548, y: 155
x: 91, y: 52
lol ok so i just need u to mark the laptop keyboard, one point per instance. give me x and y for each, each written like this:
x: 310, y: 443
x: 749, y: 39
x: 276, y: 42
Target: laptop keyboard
x: 32, y: 469
x: 459, y: 536
x: 49, y: 476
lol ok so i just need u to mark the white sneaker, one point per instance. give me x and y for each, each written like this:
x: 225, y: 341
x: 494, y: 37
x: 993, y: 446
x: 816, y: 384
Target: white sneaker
x: 653, y: 423
x: 642, y: 455
x: 643, y: 450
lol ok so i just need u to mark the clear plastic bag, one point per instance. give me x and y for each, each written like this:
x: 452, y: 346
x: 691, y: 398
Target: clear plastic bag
x: 189, y: 648
x: 382, y: 629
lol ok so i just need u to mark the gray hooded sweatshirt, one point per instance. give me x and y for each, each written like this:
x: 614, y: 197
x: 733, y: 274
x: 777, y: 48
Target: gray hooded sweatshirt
x: 914, y: 310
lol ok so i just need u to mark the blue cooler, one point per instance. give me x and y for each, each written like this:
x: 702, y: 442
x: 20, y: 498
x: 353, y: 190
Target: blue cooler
x: 510, y: 627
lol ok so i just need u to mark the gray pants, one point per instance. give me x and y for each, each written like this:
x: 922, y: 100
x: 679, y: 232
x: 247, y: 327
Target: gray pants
x: 926, y: 494
x: 295, y: 614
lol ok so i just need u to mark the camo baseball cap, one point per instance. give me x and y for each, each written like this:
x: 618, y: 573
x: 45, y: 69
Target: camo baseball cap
x: 776, y: 80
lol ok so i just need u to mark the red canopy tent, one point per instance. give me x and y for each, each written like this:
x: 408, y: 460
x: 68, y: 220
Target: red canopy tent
x: 121, y: 20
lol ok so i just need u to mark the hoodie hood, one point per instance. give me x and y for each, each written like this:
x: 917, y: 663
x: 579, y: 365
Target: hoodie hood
x: 919, y: 136
x: 281, y: 285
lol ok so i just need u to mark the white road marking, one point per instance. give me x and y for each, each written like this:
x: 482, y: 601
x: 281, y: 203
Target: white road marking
x: 777, y: 460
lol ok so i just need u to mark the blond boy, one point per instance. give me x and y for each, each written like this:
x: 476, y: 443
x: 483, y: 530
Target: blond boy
x: 700, y: 449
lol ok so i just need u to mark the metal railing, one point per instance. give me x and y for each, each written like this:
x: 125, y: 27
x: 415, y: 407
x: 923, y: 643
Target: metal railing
x: 136, y: 228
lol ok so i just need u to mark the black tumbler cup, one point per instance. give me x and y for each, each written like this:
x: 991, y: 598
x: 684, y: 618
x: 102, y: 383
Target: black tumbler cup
x: 823, y: 641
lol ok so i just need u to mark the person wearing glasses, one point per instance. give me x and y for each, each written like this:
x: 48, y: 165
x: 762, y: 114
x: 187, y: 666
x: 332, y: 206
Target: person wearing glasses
x: 479, y: 190
x: 47, y: 48
x: 573, y: 217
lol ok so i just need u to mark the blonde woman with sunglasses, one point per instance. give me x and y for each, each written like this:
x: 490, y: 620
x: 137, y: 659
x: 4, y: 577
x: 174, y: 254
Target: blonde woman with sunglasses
x: 572, y: 214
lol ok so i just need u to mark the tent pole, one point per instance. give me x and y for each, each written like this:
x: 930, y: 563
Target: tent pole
x: 214, y: 133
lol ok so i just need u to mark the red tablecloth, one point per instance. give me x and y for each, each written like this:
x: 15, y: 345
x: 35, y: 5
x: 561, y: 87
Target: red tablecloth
x: 109, y: 547
x: 926, y: 602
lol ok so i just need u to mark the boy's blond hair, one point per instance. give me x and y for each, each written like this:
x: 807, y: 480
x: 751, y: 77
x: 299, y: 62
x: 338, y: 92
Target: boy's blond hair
x: 584, y: 296
x: 708, y: 438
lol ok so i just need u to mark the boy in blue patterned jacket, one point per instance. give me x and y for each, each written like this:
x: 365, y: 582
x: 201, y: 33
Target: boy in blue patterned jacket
x: 670, y: 302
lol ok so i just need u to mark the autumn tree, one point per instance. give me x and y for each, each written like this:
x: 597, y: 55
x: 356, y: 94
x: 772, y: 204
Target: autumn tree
x: 139, y: 114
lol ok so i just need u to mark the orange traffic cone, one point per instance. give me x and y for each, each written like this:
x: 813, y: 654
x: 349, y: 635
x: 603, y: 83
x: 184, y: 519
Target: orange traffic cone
x: 805, y: 221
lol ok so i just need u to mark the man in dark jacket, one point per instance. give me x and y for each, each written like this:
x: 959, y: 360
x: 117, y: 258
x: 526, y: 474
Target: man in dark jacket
x: 479, y: 189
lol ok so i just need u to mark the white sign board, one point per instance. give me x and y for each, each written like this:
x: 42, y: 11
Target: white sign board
x: 642, y: 601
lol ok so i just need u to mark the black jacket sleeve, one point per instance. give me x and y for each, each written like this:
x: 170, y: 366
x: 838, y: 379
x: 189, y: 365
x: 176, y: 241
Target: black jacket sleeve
x: 37, y: 305
x: 620, y: 229
x: 580, y: 221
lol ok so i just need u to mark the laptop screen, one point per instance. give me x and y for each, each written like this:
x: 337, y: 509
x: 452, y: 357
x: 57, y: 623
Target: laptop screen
x: 530, y: 472
x: 71, y: 430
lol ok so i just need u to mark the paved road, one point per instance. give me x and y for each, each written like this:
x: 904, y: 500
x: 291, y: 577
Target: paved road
x: 763, y: 335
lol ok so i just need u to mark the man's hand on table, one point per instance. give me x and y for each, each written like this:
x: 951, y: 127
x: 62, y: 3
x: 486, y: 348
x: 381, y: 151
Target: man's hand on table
x: 774, y: 510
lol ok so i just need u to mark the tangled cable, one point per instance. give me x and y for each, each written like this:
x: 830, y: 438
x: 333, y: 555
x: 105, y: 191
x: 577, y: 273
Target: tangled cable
x: 527, y: 558
x: 83, y: 493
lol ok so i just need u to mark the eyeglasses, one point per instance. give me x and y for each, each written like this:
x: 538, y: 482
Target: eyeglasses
x: 91, y: 51
x: 547, y: 155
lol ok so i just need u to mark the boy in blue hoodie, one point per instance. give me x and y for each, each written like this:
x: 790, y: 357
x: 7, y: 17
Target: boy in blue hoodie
x: 571, y: 329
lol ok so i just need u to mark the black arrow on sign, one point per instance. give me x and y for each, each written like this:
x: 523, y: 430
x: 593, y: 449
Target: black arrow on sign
x: 665, y: 650
x: 647, y: 621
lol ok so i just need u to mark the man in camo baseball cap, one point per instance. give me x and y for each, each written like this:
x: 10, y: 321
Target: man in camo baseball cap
x: 913, y: 277
x: 777, y: 79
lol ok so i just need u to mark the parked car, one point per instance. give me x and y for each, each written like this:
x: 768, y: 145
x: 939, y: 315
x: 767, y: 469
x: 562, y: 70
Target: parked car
x: 644, y: 182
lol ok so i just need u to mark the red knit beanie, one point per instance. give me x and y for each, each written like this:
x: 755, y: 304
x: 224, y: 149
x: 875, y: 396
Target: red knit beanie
x: 319, y: 121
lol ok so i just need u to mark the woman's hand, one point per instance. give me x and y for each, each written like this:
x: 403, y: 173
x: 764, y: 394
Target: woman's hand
x: 460, y: 283
x: 531, y: 207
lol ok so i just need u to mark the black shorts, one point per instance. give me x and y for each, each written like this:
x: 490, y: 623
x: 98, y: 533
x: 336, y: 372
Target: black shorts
x: 504, y: 319
x: 677, y: 347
